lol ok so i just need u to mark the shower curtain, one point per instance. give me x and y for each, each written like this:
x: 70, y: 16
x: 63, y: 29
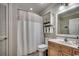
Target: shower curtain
x: 22, y: 33
x: 35, y: 31
x: 30, y: 32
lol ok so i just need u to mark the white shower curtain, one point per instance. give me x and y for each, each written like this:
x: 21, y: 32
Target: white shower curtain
x: 22, y: 33
x: 35, y: 31
x: 30, y: 32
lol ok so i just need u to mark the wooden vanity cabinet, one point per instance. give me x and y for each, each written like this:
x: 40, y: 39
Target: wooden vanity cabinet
x: 55, y: 49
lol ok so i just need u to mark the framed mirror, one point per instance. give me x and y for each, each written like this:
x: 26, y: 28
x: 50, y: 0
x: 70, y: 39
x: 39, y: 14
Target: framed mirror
x: 67, y: 22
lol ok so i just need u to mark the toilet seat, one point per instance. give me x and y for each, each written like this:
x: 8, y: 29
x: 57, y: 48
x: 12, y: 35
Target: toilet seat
x: 43, y: 46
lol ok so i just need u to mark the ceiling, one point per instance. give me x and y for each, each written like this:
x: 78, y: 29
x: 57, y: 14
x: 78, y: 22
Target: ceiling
x: 37, y: 7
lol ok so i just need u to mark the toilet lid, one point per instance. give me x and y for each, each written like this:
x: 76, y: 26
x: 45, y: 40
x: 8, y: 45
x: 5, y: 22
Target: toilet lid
x: 42, y: 46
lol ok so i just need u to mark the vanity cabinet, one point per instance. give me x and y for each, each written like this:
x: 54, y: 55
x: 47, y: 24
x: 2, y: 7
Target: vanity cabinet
x: 55, y: 49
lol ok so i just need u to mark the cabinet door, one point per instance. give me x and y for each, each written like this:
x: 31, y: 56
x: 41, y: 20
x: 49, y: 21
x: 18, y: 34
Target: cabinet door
x: 75, y: 52
x: 66, y: 51
x: 52, y: 51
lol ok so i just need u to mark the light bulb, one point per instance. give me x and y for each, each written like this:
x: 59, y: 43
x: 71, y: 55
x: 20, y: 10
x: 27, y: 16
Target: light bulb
x: 31, y: 8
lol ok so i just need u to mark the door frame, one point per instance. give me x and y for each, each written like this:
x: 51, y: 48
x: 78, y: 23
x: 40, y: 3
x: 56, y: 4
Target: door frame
x: 6, y: 28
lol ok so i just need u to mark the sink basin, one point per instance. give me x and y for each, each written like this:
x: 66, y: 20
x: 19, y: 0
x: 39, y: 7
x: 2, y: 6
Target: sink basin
x: 68, y: 43
x: 71, y: 44
x: 69, y: 40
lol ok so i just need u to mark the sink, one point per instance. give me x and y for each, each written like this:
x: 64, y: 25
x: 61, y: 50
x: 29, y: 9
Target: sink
x: 67, y: 43
x: 69, y: 40
x: 71, y: 44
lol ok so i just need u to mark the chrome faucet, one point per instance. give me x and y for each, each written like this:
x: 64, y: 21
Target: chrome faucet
x: 77, y: 37
x: 77, y: 41
x: 65, y: 39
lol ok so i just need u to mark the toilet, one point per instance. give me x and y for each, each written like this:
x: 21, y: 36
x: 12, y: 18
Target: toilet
x: 43, y: 47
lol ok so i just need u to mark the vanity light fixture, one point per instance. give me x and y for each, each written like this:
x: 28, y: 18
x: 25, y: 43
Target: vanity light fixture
x: 63, y: 5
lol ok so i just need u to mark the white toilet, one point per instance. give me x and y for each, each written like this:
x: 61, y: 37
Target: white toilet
x: 43, y: 47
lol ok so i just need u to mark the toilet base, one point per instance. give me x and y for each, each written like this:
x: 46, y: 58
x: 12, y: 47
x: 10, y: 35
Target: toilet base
x: 42, y: 48
x: 41, y: 53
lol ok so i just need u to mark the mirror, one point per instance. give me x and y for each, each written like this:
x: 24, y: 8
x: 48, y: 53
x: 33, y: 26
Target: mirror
x: 68, y: 21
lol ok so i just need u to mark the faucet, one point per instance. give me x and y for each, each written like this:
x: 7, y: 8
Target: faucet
x: 77, y: 37
x: 77, y: 41
x: 65, y: 39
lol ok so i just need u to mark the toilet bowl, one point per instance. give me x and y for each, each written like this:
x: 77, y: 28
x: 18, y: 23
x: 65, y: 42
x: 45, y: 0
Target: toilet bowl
x: 43, y: 47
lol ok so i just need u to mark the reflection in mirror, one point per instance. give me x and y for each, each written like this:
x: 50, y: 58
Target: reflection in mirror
x: 68, y: 22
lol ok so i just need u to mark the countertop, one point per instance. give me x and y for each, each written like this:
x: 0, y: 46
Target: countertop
x: 64, y: 43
